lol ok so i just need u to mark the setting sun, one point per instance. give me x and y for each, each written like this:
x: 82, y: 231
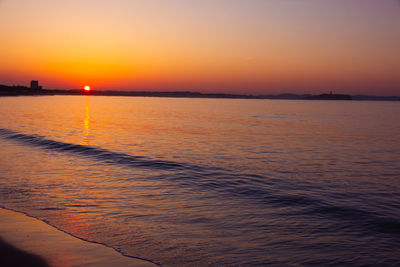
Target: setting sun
x: 86, y: 88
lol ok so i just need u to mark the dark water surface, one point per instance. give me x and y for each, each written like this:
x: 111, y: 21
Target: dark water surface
x: 210, y: 182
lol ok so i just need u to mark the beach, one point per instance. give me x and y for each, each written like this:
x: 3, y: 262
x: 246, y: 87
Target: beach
x: 26, y: 241
x: 203, y: 182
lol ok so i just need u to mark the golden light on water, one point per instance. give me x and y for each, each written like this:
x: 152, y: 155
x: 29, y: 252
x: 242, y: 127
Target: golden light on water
x: 86, y: 124
x: 87, y: 119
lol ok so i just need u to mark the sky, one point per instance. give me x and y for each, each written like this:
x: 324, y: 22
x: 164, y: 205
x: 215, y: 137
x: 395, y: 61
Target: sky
x: 225, y: 46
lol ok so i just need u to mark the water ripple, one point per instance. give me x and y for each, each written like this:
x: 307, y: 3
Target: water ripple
x: 94, y: 152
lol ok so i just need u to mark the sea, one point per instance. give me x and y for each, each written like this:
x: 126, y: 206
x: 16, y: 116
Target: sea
x: 209, y: 182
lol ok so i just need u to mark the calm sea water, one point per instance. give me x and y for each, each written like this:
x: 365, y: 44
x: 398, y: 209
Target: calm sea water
x: 209, y: 182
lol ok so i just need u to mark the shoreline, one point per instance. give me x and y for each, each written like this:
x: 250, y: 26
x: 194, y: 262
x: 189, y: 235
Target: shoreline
x: 23, y: 237
x: 26, y: 91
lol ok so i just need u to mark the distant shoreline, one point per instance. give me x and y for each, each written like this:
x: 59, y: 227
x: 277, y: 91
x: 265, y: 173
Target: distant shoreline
x: 26, y: 91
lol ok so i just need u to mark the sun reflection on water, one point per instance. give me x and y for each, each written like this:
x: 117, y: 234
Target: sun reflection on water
x: 86, y: 123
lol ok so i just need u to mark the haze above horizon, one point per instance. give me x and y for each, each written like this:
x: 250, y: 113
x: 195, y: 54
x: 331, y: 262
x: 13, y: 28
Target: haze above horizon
x: 225, y: 46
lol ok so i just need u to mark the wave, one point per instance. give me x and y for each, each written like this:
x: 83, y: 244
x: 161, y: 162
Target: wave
x: 368, y: 220
x: 95, y: 152
x: 257, y: 188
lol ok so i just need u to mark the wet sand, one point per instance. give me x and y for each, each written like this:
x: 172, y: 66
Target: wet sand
x: 26, y: 241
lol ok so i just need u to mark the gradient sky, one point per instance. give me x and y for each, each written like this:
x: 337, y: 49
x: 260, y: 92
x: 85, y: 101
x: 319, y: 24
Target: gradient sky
x: 232, y: 46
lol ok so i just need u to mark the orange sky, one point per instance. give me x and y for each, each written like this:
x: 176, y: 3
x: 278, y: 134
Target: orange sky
x: 232, y: 46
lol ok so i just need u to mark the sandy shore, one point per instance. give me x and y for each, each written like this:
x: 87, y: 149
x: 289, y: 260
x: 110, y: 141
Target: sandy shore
x: 24, y: 238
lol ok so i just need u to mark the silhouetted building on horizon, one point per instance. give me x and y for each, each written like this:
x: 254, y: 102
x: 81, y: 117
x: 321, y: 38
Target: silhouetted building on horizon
x: 35, y: 85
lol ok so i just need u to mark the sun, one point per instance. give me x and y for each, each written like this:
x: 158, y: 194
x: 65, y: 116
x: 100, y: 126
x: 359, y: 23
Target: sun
x: 87, y: 88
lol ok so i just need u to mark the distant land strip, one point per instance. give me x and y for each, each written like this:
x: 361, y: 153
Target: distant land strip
x: 26, y: 91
